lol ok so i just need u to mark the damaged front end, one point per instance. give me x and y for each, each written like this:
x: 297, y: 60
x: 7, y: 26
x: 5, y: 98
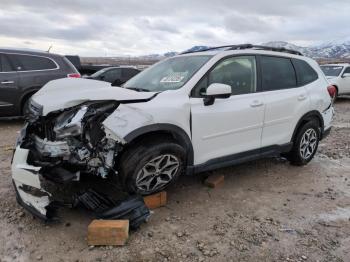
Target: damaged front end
x: 56, y: 154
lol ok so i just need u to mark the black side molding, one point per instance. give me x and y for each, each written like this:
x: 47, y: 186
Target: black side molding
x: 238, y: 158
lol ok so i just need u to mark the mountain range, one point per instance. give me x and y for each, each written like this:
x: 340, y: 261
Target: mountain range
x: 327, y: 50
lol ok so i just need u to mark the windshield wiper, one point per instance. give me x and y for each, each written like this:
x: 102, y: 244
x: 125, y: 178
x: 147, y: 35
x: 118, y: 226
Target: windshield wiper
x: 138, y: 89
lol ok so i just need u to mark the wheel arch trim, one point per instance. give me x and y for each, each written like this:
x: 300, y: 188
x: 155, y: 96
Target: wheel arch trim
x: 307, y: 117
x: 178, y: 133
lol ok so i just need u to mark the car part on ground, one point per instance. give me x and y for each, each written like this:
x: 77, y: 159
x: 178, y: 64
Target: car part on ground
x: 176, y: 117
x: 131, y: 208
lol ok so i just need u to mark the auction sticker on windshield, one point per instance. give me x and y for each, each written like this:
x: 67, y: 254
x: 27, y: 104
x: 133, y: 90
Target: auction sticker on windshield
x: 174, y: 77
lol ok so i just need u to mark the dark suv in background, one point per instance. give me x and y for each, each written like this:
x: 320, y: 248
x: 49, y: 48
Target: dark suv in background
x: 22, y: 73
x: 115, y: 75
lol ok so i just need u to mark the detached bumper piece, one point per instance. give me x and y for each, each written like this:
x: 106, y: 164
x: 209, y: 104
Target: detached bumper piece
x: 36, y: 190
x: 133, y: 208
x: 28, y: 188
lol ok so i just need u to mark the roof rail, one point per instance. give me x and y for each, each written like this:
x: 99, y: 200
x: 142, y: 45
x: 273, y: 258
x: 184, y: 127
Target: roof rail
x: 248, y: 46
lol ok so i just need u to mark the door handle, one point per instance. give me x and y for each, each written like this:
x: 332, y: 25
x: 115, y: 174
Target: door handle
x: 7, y: 82
x: 302, y: 97
x: 256, y: 103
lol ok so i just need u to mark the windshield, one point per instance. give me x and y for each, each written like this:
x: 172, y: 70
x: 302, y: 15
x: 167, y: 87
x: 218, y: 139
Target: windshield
x: 169, y: 74
x: 332, y: 70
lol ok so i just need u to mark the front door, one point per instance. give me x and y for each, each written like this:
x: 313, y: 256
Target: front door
x: 232, y: 125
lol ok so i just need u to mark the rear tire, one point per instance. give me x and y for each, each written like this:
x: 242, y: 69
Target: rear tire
x: 151, y: 166
x: 305, y: 144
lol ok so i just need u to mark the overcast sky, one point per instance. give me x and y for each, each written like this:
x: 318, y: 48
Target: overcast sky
x: 100, y: 28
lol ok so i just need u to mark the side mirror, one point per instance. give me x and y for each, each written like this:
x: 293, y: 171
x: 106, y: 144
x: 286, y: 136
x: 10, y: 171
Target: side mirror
x: 346, y: 75
x: 216, y: 90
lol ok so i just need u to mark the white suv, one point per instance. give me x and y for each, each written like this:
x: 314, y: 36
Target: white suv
x: 338, y: 75
x: 187, y: 114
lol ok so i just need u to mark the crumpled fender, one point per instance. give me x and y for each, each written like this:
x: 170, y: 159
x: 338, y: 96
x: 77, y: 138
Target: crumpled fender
x: 124, y: 120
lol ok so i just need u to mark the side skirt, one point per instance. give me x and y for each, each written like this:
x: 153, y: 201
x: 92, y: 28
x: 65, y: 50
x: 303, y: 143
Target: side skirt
x: 238, y: 158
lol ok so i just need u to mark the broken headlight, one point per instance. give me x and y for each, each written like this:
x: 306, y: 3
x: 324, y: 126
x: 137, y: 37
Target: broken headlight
x: 69, y: 123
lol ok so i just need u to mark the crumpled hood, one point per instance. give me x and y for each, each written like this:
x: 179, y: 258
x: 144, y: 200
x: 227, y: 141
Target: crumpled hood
x: 68, y: 92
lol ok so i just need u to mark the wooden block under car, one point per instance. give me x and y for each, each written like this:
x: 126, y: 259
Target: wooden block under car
x: 214, y: 181
x: 155, y: 200
x: 108, y: 232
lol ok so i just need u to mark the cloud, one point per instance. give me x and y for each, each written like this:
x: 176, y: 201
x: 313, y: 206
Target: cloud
x: 89, y: 27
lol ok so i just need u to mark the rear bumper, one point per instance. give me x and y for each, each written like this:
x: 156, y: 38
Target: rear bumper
x: 327, y: 116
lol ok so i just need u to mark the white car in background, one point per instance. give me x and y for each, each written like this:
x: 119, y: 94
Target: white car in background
x: 194, y: 112
x: 338, y: 75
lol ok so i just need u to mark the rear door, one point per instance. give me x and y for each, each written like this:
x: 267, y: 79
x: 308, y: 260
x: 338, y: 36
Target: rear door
x: 35, y: 71
x: 9, y: 90
x: 286, y: 101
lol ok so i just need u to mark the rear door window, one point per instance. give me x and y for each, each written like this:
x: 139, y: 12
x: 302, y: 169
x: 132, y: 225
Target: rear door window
x: 5, y: 65
x: 29, y: 63
x: 306, y: 74
x: 277, y: 73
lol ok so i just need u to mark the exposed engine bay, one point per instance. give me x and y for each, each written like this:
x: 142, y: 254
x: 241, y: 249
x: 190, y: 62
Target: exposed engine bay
x: 70, y: 142
x: 67, y: 154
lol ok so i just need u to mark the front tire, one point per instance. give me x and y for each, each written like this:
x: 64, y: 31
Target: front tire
x: 149, y: 167
x: 305, y: 144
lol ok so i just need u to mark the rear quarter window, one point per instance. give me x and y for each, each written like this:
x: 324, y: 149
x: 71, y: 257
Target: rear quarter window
x: 277, y: 73
x: 305, y: 73
x: 29, y: 62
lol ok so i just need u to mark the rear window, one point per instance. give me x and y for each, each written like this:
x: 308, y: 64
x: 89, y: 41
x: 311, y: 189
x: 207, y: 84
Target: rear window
x: 277, y: 73
x: 70, y: 65
x: 306, y: 74
x: 29, y: 62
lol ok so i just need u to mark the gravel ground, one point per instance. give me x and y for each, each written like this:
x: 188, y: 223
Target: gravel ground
x: 266, y: 210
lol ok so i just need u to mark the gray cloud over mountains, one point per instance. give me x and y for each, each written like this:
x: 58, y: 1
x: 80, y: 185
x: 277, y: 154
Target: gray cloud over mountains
x: 155, y: 26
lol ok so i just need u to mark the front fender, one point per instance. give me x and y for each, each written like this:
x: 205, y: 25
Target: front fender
x: 124, y: 120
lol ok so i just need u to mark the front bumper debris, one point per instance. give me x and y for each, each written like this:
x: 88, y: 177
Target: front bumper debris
x: 28, y: 188
x: 61, y: 158
x: 32, y: 193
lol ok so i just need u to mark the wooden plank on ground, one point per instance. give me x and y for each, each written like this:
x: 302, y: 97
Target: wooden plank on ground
x: 156, y: 200
x: 108, y: 232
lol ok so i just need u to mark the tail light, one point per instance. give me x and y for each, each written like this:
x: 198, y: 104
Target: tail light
x: 332, y: 91
x: 74, y: 75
